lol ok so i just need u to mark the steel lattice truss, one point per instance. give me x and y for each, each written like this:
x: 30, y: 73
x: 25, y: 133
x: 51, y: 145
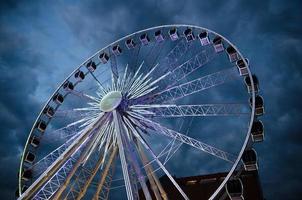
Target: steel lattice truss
x: 111, y: 122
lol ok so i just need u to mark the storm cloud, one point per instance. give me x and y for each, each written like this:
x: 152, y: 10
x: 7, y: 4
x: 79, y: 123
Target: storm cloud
x: 42, y: 41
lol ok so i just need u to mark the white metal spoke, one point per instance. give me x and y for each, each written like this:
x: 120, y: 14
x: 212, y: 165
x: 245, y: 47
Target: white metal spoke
x: 76, y: 113
x: 192, y: 110
x: 196, y: 85
x: 53, y: 184
x: 191, y: 65
x: 114, y: 71
x: 148, y: 148
x: 52, y: 169
x: 84, y: 96
x: 46, y: 161
x: 129, y: 191
x: 188, y: 140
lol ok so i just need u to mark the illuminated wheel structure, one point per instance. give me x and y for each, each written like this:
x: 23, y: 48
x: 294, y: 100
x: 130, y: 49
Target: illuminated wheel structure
x: 169, y: 100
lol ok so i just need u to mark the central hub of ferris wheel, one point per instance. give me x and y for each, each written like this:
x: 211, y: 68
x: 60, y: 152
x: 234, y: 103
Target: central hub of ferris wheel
x: 111, y: 101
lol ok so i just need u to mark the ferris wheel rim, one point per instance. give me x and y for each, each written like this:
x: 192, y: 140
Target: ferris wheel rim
x: 246, y: 141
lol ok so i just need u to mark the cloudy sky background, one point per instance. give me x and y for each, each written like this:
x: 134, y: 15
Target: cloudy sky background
x: 42, y: 41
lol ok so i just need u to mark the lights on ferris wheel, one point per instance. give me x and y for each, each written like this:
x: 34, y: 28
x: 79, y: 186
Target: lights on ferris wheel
x: 141, y: 90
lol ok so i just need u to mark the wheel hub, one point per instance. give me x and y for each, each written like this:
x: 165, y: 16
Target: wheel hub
x: 111, y: 101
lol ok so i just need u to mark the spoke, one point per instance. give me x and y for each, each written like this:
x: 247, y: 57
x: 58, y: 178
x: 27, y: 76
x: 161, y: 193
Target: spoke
x: 192, y: 110
x: 76, y: 113
x: 114, y: 71
x: 84, y: 96
x: 53, y: 168
x: 147, y: 147
x: 156, y: 186
x: 58, y: 179
x: 105, y: 175
x: 188, y: 140
x: 123, y: 157
x: 83, y: 177
x: 92, y: 175
x: 183, y: 70
x: 196, y: 85
x: 45, y: 162
x: 175, y: 54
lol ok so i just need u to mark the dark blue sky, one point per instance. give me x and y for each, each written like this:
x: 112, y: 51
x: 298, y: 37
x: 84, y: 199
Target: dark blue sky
x: 42, y: 41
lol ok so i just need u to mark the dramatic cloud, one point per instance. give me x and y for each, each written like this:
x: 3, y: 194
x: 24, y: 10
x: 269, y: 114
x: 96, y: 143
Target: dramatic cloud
x: 41, y: 42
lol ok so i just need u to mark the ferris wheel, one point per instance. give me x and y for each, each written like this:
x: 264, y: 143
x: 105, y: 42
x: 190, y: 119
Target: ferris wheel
x: 171, y: 100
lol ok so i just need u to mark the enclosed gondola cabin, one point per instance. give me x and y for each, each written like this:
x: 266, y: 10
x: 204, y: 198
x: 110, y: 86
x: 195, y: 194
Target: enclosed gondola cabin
x: 27, y: 175
x: 130, y: 43
x: 248, y: 83
x: 68, y: 86
x: 159, y: 37
x: 173, y: 33
x: 204, y: 38
x: 249, y: 159
x: 234, y: 189
x: 41, y: 125
x: 232, y: 54
x: 35, y: 141
x: 29, y: 157
x: 104, y: 57
x: 58, y: 98
x: 117, y: 50
x: 91, y: 66
x: 189, y: 35
x: 144, y: 39
x: 257, y: 131
x: 259, y: 105
x: 79, y: 75
x: 243, y: 69
x: 49, y: 111
x: 218, y: 44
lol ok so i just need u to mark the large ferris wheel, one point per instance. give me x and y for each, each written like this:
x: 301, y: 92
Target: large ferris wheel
x: 164, y: 101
